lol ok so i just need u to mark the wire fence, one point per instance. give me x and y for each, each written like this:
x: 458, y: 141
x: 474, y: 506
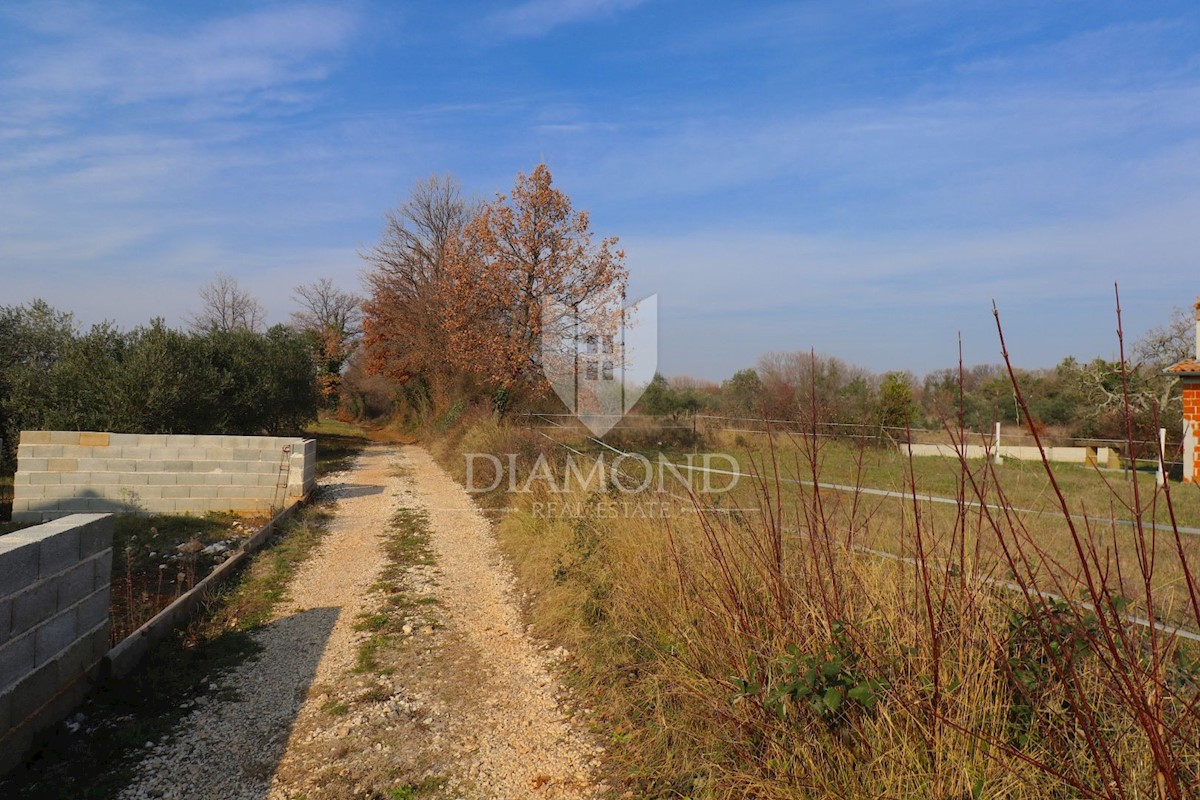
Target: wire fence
x: 1100, y: 452
x: 1145, y: 622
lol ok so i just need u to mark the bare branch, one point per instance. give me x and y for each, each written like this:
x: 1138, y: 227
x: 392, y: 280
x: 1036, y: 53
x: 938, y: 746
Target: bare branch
x: 226, y: 307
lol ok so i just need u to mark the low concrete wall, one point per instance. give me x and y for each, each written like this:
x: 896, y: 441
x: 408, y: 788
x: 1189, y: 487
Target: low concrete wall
x: 124, y: 657
x: 54, y: 627
x: 1102, y: 456
x: 65, y: 472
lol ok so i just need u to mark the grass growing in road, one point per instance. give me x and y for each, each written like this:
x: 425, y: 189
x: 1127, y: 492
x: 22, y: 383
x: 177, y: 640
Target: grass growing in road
x: 406, y: 545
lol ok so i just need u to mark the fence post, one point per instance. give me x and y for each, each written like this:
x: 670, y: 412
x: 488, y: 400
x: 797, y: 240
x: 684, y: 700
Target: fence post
x: 1162, y: 456
x: 996, y: 457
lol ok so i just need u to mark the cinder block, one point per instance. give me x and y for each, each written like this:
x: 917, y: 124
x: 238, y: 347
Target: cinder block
x: 48, y: 451
x: 34, y: 437
x: 176, y: 491
x: 95, y: 534
x: 178, y: 466
x: 31, y: 464
x: 78, y: 657
x: 22, y: 491
x: 208, y: 492
x: 16, y: 660
x: 103, y: 477
x: 160, y: 454
x: 247, y: 455
x: 34, y: 690
x: 55, y: 635
x: 63, y: 465
x: 101, y: 640
x: 18, y: 564
x: 192, y: 453
x: 150, y: 493
x: 91, y: 439
x: 45, y: 478
x: 76, y: 584
x: 21, y: 479
x: 21, y: 504
x: 75, y: 505
x: 122, y: 440
x: 34, y: 605
x: 93, y: 610
x: 135, y: 453
x: 88, y: 465
x: 64, y: 437
x: 181, y: 440
x: 56, y: 491
x: 152, y: 440
x: 217, y: 479
x: 104, y: 562
x: 134, y: 478
x: 161, y: 479
x: 5, y: 623
x: 59, y: 552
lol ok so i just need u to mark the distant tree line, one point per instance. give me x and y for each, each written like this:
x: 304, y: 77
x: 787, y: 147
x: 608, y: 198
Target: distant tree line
x: 1074, y: 399
x: 151, y: 379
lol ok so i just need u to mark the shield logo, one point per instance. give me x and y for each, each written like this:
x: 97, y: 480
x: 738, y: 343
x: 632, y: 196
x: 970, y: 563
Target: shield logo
x: 599, y: 357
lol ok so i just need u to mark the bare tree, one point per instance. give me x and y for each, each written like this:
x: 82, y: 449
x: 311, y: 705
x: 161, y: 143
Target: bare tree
x: 332, y: 319
x: 324, y: 307
x: 404, y: 320
x: 225, y: 307
x: 1163, y: 346
x: 1171, y: 343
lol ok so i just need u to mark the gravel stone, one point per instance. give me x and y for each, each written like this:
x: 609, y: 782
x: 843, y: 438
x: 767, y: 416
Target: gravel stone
x: 477, y: 706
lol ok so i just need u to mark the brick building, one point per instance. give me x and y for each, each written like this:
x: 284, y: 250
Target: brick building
x: 1188, y: 372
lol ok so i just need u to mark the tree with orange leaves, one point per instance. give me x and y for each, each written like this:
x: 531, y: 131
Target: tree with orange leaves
x: 516, y: 255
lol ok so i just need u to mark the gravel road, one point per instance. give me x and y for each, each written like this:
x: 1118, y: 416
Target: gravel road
x: 484, y: 703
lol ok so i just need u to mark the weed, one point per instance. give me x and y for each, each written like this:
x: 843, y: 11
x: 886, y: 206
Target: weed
x: 335, y: 708
x: 406, y: 544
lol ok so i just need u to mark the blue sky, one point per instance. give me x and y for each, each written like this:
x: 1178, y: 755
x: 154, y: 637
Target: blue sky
x: 862, y: 179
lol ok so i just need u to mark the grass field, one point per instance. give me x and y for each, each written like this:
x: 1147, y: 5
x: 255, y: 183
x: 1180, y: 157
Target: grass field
x: 746, y: 647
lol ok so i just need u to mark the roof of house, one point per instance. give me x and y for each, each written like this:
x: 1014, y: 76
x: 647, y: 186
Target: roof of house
x: 1189, y: 366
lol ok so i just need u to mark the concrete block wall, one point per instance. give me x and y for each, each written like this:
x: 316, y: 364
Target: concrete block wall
x: 54, y: 626
x: 68, y: 472
x: 1070, y: 455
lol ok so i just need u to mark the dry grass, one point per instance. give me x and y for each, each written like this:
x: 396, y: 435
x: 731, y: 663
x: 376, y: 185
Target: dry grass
x: 761, y: 653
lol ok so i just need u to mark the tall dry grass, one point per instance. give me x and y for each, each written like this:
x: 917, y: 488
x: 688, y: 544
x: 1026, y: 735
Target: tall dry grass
x: 757, y: 649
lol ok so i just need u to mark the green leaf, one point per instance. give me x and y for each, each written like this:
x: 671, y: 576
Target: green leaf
x: 833, y: 698
x: 863, y: 694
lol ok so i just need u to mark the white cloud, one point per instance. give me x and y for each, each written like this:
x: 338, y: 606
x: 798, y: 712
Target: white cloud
x: 235, y: 57
x: 539, y: 17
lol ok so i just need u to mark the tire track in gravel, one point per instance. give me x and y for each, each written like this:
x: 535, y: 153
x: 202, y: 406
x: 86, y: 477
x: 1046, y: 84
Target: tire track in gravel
x: 502, y: 733
x: 517, y: 742
x: 229, y: 749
